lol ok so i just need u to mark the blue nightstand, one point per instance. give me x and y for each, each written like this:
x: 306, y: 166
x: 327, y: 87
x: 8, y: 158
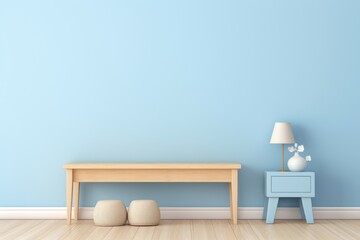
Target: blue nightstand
x: 290, y: 185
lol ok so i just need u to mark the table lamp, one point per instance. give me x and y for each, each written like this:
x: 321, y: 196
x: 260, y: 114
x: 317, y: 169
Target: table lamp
x: 282, y: 134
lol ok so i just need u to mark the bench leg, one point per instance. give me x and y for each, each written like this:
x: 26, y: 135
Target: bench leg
x: 76, y: 191
x: 69, y: 194
x: 233, y: 187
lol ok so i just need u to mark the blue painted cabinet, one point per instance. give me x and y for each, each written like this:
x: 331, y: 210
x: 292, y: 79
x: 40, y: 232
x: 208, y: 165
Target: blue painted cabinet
x: 290, y: 185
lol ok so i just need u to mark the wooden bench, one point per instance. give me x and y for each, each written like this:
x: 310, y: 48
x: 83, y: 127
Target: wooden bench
x: 149, y: 172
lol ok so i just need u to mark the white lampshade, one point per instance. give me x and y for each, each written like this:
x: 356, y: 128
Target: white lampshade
x: 282, y: 133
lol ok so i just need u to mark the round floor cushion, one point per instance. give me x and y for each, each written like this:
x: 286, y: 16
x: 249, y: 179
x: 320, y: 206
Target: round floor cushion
x: 110, y: 213
x: 144, y: 213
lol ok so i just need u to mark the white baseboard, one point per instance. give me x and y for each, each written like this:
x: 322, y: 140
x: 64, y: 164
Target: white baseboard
x: 187, y: 213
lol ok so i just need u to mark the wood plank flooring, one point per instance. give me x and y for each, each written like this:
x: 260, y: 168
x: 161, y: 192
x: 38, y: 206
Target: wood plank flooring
x: 182, y: 230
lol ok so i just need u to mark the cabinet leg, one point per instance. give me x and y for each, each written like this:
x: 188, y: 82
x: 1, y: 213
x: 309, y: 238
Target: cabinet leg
x: 301, y: 209
x: 271, y: 209
x: 265, y: 208
x: 306, y: 203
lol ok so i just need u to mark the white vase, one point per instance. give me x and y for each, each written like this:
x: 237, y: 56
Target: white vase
x: 297, y: 163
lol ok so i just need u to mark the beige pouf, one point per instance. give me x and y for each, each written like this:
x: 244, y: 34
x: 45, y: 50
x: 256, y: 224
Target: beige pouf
x: 144, y: 213
x: 110, y: 213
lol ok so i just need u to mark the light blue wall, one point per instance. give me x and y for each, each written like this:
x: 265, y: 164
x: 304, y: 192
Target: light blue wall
x: 178, y: 80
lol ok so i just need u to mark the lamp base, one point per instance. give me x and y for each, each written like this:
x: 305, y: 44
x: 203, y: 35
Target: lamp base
x: 282, y: 170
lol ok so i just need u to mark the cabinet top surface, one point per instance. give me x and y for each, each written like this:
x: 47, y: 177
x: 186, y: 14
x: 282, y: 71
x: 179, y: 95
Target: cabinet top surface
x: 275, y: 173
x: 223, y: 165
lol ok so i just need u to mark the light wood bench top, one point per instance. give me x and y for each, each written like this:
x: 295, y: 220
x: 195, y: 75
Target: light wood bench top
x: 226, y: 165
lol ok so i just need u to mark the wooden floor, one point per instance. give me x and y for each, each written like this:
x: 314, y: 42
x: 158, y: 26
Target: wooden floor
x: 183, y: 230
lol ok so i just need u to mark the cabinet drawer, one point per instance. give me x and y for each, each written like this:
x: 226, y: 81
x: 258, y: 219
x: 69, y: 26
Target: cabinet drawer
x: 291, y: 184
